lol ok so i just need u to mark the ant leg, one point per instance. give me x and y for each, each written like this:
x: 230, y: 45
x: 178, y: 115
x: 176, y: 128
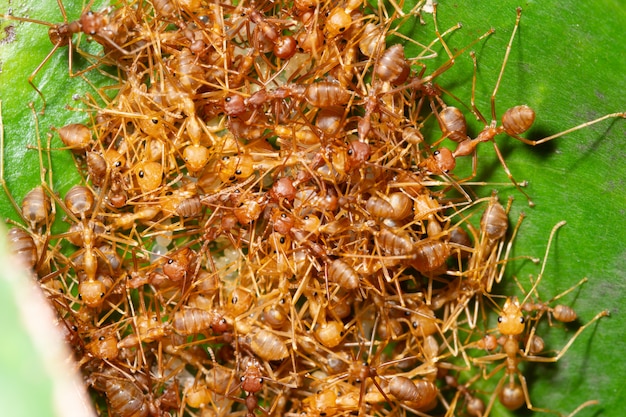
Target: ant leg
x: 542, y: 359
x: 475, y: 110
x: 32, y: 76
x: 510, y: 176
x: 509, y: 246
x: 570, y: 130
x: 545, y: 258
x: 440, y: 36
x: 504, y: 61
x: 546, y: 410
x: 583, y: 405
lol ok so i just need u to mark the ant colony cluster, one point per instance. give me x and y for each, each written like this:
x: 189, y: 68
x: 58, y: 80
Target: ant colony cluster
x: 265, y: 228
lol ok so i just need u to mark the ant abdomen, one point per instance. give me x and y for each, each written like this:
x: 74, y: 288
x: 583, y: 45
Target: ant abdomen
x: 518, y: 119
x: 392, y: 65
x: 512, y: 396
x: 23, y: 246
x: 564, y: 314
x: 452, y: 123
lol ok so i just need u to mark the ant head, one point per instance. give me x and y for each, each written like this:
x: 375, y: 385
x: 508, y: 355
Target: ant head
x: 511, y: 321
x: 92, y: 293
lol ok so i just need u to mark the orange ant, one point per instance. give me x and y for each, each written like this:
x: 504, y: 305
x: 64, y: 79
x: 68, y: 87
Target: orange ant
x: 511, y: 326
x: 515, y: 121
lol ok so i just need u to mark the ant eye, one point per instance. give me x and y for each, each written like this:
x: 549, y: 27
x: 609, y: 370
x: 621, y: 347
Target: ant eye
x: 500, y: 319
x: 436, y: 153
x: 521, y: 320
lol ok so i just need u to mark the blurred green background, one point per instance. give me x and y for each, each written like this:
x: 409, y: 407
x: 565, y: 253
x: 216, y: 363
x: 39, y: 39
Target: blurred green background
x: 567, y: 62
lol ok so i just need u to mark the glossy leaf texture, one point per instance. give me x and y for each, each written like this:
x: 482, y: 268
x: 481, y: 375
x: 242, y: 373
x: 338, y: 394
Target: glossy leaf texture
x: 566, y: 62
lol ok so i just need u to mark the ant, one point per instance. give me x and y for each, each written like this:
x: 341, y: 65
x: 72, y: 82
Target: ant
x: 511, y: 327
x: 515, y: 121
